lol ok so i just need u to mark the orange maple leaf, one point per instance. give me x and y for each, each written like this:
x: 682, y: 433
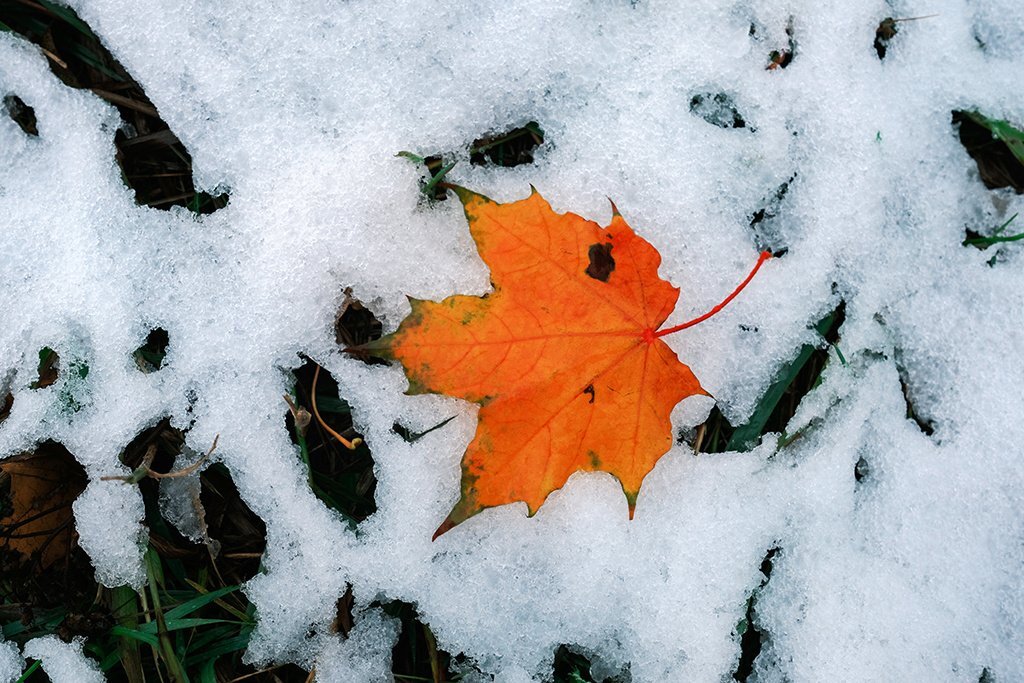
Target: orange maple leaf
x: 564, y: 356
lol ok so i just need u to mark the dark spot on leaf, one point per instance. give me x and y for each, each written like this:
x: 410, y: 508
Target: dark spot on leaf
x: 590, y: 390
x: 601, y: 262
x: 21, y: 114
x: 594, y: 458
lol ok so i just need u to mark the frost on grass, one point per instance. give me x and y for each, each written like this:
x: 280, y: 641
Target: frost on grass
x: 909, y: 571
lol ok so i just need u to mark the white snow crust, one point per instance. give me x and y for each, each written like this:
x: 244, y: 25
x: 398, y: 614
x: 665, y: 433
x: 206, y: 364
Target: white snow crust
x: 64, y: 662
x: 11, y: 662
x: 912, y: 573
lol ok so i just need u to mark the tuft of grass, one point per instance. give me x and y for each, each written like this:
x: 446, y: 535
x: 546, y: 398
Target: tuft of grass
x: 983, y: 242
x: 779, y: 403
x: 508, y: 149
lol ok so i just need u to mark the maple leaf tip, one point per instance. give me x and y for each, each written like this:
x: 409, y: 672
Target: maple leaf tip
x: 466, y: 196
x: 615, y: 209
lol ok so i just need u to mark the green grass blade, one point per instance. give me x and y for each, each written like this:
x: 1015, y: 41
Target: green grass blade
x: 141, y: 635
x: 1006, y: 133
x: 68, y: 16
x: 190, y: 606
x: 171, y: 625
x: 29, y: 671
x: 746, y: 435
x: 124, y: 607
x: 226, y: 646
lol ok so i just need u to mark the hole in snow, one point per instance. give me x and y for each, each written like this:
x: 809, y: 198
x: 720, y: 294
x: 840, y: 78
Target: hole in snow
x: 765, y: 226
x: 996, y: 146
x: 154, y: 162
x: 718, y: 109
x: 926, y: 426
x: 343, y: 617
x: 166, y: 441
x: 713, y: 436
x: 750, y: 635
x: 996, y: 236
x: 240, y: 534
x: 886, y: 31
x: 343, y: 479
x: 357, y: 325
x: 21, y: 114
x: 49, y: 368
x: 74, y: 393
x: 6, y: 405
x: 150, y: 356
x: 233, y: 537
x: 436, y: 170
x: 511, y: 148
x: 782, y: 57
x: 40, y: 561
x: 416, y: 651
x: 861, y: 470
x: 779, y: 403
x: 573, y: 666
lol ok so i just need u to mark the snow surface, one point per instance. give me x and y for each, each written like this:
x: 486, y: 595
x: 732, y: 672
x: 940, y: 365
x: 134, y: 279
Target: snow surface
x: 11, y: 662
x: 913, y: 573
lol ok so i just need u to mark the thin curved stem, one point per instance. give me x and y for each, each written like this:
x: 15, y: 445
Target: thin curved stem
x: 765, y: 255
x: 351, y: 445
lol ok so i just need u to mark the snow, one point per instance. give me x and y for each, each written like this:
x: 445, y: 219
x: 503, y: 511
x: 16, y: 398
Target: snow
x: 912, y: 573
x: 11, y: 662
x: 64, y: 662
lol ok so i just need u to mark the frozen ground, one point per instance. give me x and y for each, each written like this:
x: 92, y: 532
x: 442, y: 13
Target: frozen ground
x: 911, y: 573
